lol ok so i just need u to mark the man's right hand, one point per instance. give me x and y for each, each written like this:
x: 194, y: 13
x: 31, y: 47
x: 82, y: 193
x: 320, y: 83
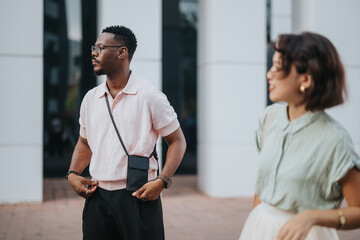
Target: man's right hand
x: 82, y: 186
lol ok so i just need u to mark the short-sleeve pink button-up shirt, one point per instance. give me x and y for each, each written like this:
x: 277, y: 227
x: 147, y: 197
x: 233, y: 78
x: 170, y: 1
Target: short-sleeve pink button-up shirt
x: 141, y: 113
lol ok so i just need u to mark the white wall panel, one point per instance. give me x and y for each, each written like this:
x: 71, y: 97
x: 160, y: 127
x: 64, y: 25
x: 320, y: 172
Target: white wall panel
x: 21, y: 24
x: 151, y: 70
x: 21, y: 95
x: 141, y: 16
x: 281, y: 8
x: 280, y: 25
x: 20, y: 174
x: 340, y: 22
x: 302, y: 15
x: 232, y: 173
x: 280, y: 18
x: 232, y: 32
x: 231, y: 94
x: 233, y: 118
x: 21, y: 101
x: 349, y: 113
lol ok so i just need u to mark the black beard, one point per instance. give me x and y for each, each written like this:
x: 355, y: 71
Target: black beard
x: 99, y: 72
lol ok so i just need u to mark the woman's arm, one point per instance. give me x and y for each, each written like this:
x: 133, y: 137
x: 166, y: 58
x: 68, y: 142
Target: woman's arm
x: 298, y: 227
x: 350, y: 185
x: 257, y: 200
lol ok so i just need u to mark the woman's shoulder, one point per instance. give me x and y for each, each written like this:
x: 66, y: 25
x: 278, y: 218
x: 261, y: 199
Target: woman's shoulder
x: 336, y: 131
x: 272, y: 111
x: 275, y: 107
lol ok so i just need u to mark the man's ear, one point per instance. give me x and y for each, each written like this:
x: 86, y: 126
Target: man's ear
x: 122, y: 52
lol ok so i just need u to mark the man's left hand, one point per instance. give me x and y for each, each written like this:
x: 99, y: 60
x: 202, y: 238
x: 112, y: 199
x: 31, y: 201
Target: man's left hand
x: 150, y: 191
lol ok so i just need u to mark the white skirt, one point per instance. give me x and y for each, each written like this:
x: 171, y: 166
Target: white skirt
x: 265, y: 221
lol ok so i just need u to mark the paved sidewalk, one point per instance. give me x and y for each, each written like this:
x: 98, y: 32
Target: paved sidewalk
x: 188, y: 215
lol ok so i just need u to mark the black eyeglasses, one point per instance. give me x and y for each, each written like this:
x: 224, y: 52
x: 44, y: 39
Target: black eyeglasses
x: 100, y: 47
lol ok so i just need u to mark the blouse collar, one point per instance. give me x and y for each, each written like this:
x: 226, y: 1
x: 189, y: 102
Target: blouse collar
x: 300, y: 122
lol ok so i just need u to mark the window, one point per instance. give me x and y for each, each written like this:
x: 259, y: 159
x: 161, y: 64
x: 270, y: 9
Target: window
x: 179, y: 70
x: 67, y: 76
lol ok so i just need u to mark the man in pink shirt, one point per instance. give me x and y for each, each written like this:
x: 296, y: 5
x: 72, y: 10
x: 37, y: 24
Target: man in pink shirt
x: 140, y: 112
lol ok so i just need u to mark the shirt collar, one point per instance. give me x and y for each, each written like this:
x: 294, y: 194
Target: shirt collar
x: 299, y: 123
x: 131, y: 87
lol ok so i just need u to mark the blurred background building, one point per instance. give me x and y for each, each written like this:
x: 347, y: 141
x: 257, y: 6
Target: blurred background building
x: 210, y: 57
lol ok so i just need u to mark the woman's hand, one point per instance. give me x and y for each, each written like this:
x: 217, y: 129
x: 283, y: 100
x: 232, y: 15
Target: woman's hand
x: 298, y: 227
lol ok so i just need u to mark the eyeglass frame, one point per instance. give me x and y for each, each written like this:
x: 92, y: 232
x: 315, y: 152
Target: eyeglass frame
x: 101, y: 46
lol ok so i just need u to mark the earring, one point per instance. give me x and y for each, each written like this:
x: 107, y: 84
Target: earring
x: 302, y: 89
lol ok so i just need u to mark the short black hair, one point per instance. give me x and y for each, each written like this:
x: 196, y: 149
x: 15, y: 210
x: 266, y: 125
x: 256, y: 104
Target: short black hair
x: 314, y: 54
x: 125, y: 36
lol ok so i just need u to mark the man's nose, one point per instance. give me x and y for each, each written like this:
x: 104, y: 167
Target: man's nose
x: 94, y: 53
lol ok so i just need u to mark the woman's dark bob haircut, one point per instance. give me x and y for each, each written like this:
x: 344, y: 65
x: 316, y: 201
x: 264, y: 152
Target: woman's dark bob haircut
x: 315, y: 55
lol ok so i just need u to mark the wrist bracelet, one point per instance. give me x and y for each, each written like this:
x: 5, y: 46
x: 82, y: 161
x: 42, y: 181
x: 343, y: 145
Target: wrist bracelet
x: 342, y: 219
x: 71, y: 171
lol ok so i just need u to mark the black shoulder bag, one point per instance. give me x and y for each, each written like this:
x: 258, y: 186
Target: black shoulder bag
x: 138, y: 166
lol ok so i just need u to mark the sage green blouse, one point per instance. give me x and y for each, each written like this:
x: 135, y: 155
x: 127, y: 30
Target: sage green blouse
x: 302, y: 161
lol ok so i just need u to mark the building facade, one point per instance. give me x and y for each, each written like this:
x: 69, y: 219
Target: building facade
x: 230, y: 65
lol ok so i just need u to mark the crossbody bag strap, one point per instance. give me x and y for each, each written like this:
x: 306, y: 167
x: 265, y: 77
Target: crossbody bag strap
x: 154, y: 153
x: 112, y: 119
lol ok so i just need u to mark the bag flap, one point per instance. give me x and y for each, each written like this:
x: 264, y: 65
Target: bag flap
x: 139, y: 162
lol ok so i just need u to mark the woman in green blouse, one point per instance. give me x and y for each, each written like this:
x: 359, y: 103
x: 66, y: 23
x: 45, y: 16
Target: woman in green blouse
x: 307, y: 161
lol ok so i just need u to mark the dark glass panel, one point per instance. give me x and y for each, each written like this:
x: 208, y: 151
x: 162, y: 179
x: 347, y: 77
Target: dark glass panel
x: 66, y: 76
x: 179, y: 71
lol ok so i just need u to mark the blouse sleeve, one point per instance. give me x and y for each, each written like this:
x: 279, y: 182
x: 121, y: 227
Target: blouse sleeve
x: 265, y: 120
x: 258, y: 132
x: 344, y: 159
